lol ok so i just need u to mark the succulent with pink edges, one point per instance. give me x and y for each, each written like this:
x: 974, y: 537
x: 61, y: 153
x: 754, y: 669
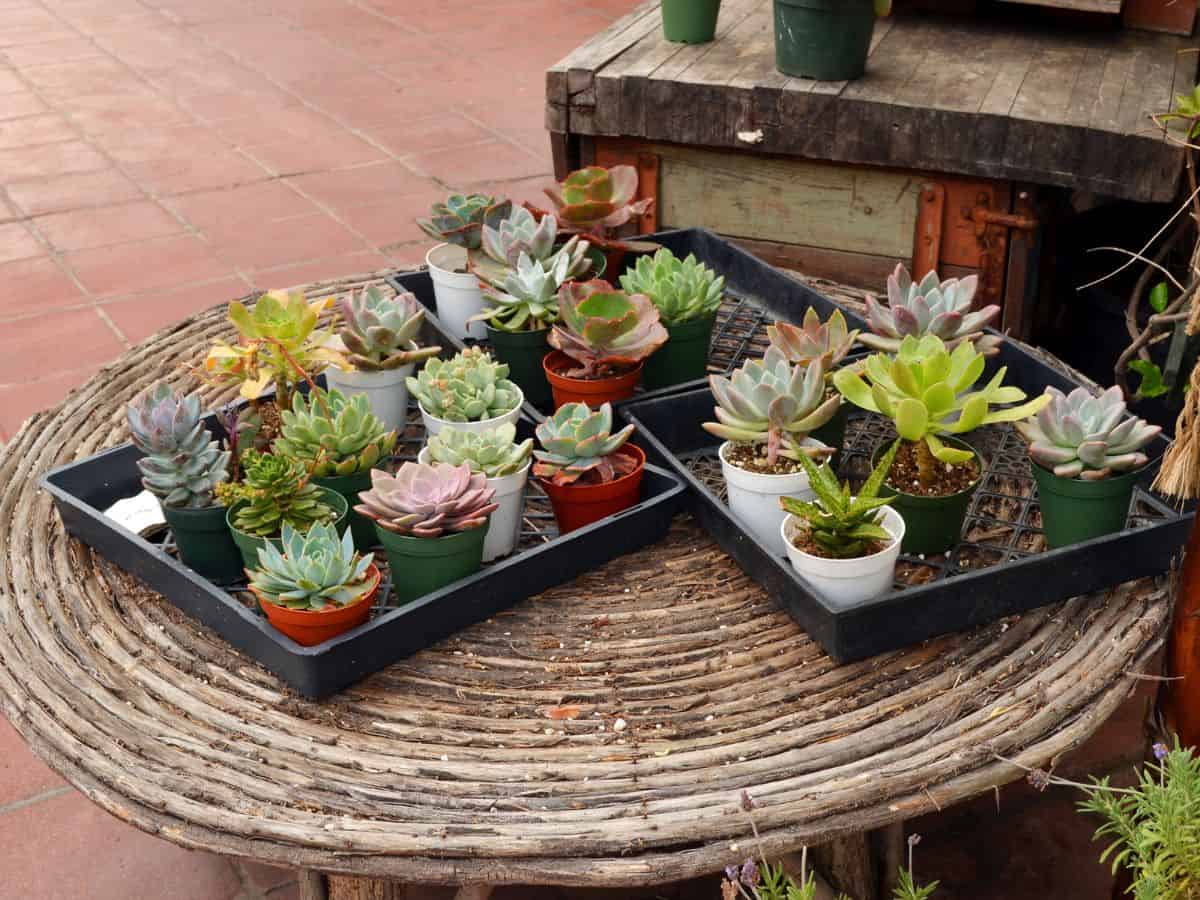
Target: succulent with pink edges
x: 427, y: 501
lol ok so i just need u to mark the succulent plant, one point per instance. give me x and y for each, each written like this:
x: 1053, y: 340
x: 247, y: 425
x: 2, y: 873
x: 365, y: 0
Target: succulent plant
x: 683, y: 290
x: 468, y: 387
x: 380, y: 331
x: 276, y: 490
x: 925, y: 390
x: 578, y: 442
x: 770, y: 401
x: 183, y: 464
x: 460, y: 219
x: 332, y: 434
x: 597, y: 199
x: 932, y: 306
x: 316, y: 570
x: 529, y: 299
x: 493, y: 452
x: 1079, y: 435
x: 828, y: 341
x: 842, y: 525
x: 605, y: 330
x: 279, y: 345
x: 427, y: 501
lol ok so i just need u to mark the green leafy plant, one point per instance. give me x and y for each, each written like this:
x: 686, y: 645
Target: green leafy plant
x: 529, y: 299
x: 605, y: 331
x: 1152, y: 382
x: 379, y: 333
x: 468, y: 387
x: 183, y: 465
x: 1186, y: 112
x: 578, y: 443
x: 930, y: 307
x: 683, y: 290
x: 315, y: 570
x: 772, y: 402
x: 828, y: 341
x: 844, y: 526
x: 275, y: 490
x: 494, y: 452
x: 331, y: 434
x: 925, y: 391
x: 460, y: 218
x: 428, y: 501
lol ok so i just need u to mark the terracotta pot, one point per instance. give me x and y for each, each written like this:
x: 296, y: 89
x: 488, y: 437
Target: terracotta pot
x: 576, y: 505
x: 593, y: 391
x: 309, y: 627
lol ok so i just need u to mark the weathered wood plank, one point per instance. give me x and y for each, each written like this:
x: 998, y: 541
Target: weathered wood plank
x: 1111, y: 7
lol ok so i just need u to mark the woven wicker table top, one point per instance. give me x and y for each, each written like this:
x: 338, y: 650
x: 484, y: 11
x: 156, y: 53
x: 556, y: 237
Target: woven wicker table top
x: 455, y: 765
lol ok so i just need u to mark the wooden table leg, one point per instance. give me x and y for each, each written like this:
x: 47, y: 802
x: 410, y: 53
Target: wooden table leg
x: 850, y: 865
x: 314, y: 886
x: 1183, y: 697
x: 891, y: 855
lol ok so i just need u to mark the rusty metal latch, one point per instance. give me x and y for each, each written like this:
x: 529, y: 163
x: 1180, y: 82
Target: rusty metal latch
x: 983, y: 217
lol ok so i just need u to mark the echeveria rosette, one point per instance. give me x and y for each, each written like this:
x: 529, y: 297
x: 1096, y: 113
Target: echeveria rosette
x: 315, y: 570
x: 277, y: 490
x: 379, y: 332
x: 605, y: 330
x: 930, y: 307
x: 597, y: 200
x: 529, y: 299
x: 183, y: 465
x: 460, y: 219
x: 332, y: 434
x: 493, y: 452
x: 926, y: 391
x: 428, y: 500
x: 469, y: 387
x: 578, y: 442
x: 684, y: 290
x: 1081, y: 435
x: 771, y: 401
x: 523, y: 234
x: 828, y: 341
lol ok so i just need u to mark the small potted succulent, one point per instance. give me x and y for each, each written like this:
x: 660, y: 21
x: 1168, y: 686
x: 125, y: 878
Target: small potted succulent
x: 523, y: 234
x: 457, y: 225
x: 927, y: 392
x: 314, y: 587
x: 519, y: 317
x: 766, y: 412
x: 495, y: 454
x: 379, y: 351
x: 690, y: 21
x: 1086, y: 455
x: 829, y: 341
x: 845, y: 546
x: 432, y: 521
x: 275, y: 491
x: 601, y: 342
x: 931, y: 306
x: 687, y: 294
x: 827, y: 40
x: 597, y: 202
x: 587, y: 471
x: 183, y: 467
x: 470, y: 391
x: 339, y: 441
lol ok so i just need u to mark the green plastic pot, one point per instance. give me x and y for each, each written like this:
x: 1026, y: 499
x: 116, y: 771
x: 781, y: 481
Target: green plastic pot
x: 931, y: 524
x: 523, y: 352
x: 248, y: 544
x: 690, y: 21
x: 684, y: 357
x: 204, y: 543
x: 421, y: 564
x: 823, y: 39
x: 1074, y: 510
x: 349, y: 487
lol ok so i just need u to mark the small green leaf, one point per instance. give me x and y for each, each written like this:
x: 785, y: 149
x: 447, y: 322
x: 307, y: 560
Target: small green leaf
x: 911, y: 419
x: 1158, y: 297
x: 1152, y: 379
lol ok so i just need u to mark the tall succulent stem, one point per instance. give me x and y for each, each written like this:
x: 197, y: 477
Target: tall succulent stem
x: 925, y: 463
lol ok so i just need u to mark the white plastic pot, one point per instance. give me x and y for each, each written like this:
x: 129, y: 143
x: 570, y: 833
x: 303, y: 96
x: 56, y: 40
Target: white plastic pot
x: 433, y: 424
x: 845, y: 582
x: 459, y: 295
x: 504, y: 528
x: 754, y: 497
x: 386, y: 391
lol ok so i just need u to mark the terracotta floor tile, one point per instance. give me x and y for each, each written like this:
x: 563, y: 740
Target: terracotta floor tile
x: 80, y: 76
x: 10, y: 83
x: 389, y: 108
x: 123, y: 112
x: 82, y: 852
x: 51, y: 52
x: 18, y: 35
x: 321, y: 269
x: 196, y: 173
x: 19, y: 105
x: 389, y: 224
x: 362, y: 185
x: 226, y: 211
x: 158, y: 263
x: 272, y: 123
x: 16, y: 242
x: 167, y: 142
x: 440, y: 132
x: 36, y: 285
x: 33, y: 130
x: 54, y: 342
x: 72, y: 192
x: 268, y: 244
x: 333, y: 150
x: 22, y: 774
x: 21, y: 163
x: 224, y: 105
x: 101, y: 226
x: 465, y: 166
x: 141, y: 316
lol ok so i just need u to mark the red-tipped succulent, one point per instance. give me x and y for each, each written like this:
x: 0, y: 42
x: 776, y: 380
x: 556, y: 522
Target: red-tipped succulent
x: 606, y: 331
x: 597, y: 199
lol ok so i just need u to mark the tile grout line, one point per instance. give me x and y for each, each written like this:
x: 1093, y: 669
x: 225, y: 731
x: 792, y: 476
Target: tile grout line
x: 35, y: 799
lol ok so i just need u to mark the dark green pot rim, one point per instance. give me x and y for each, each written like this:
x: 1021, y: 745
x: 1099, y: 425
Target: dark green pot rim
x: 339, y: 503
x: 524, y: 339
x: 693, y: 328
x: 1081, y: 489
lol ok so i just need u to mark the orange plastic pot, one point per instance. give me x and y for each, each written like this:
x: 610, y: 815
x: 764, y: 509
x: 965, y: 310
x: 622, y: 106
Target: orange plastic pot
x: 576, y: 505
x: 593, y: 391
x: 309, y: 627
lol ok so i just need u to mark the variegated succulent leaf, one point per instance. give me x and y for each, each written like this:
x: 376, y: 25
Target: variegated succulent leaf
x: 597, y: 199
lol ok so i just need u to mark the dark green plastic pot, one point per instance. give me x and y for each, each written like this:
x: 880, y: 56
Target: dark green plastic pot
x: 684, y: 357
x: 690, y: 21
x: 931, y: 524
x: 349, y: 486
x: 1074, y: 510
x: 420, y: 564
x: 823, y: 39
x: 248, y: 544
x: 833, y: 432
x: 523, y: 352
x: 204, y: 543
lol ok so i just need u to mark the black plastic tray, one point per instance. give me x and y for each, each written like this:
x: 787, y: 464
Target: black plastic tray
x: 1001, y: 566
x: 84, y: 489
